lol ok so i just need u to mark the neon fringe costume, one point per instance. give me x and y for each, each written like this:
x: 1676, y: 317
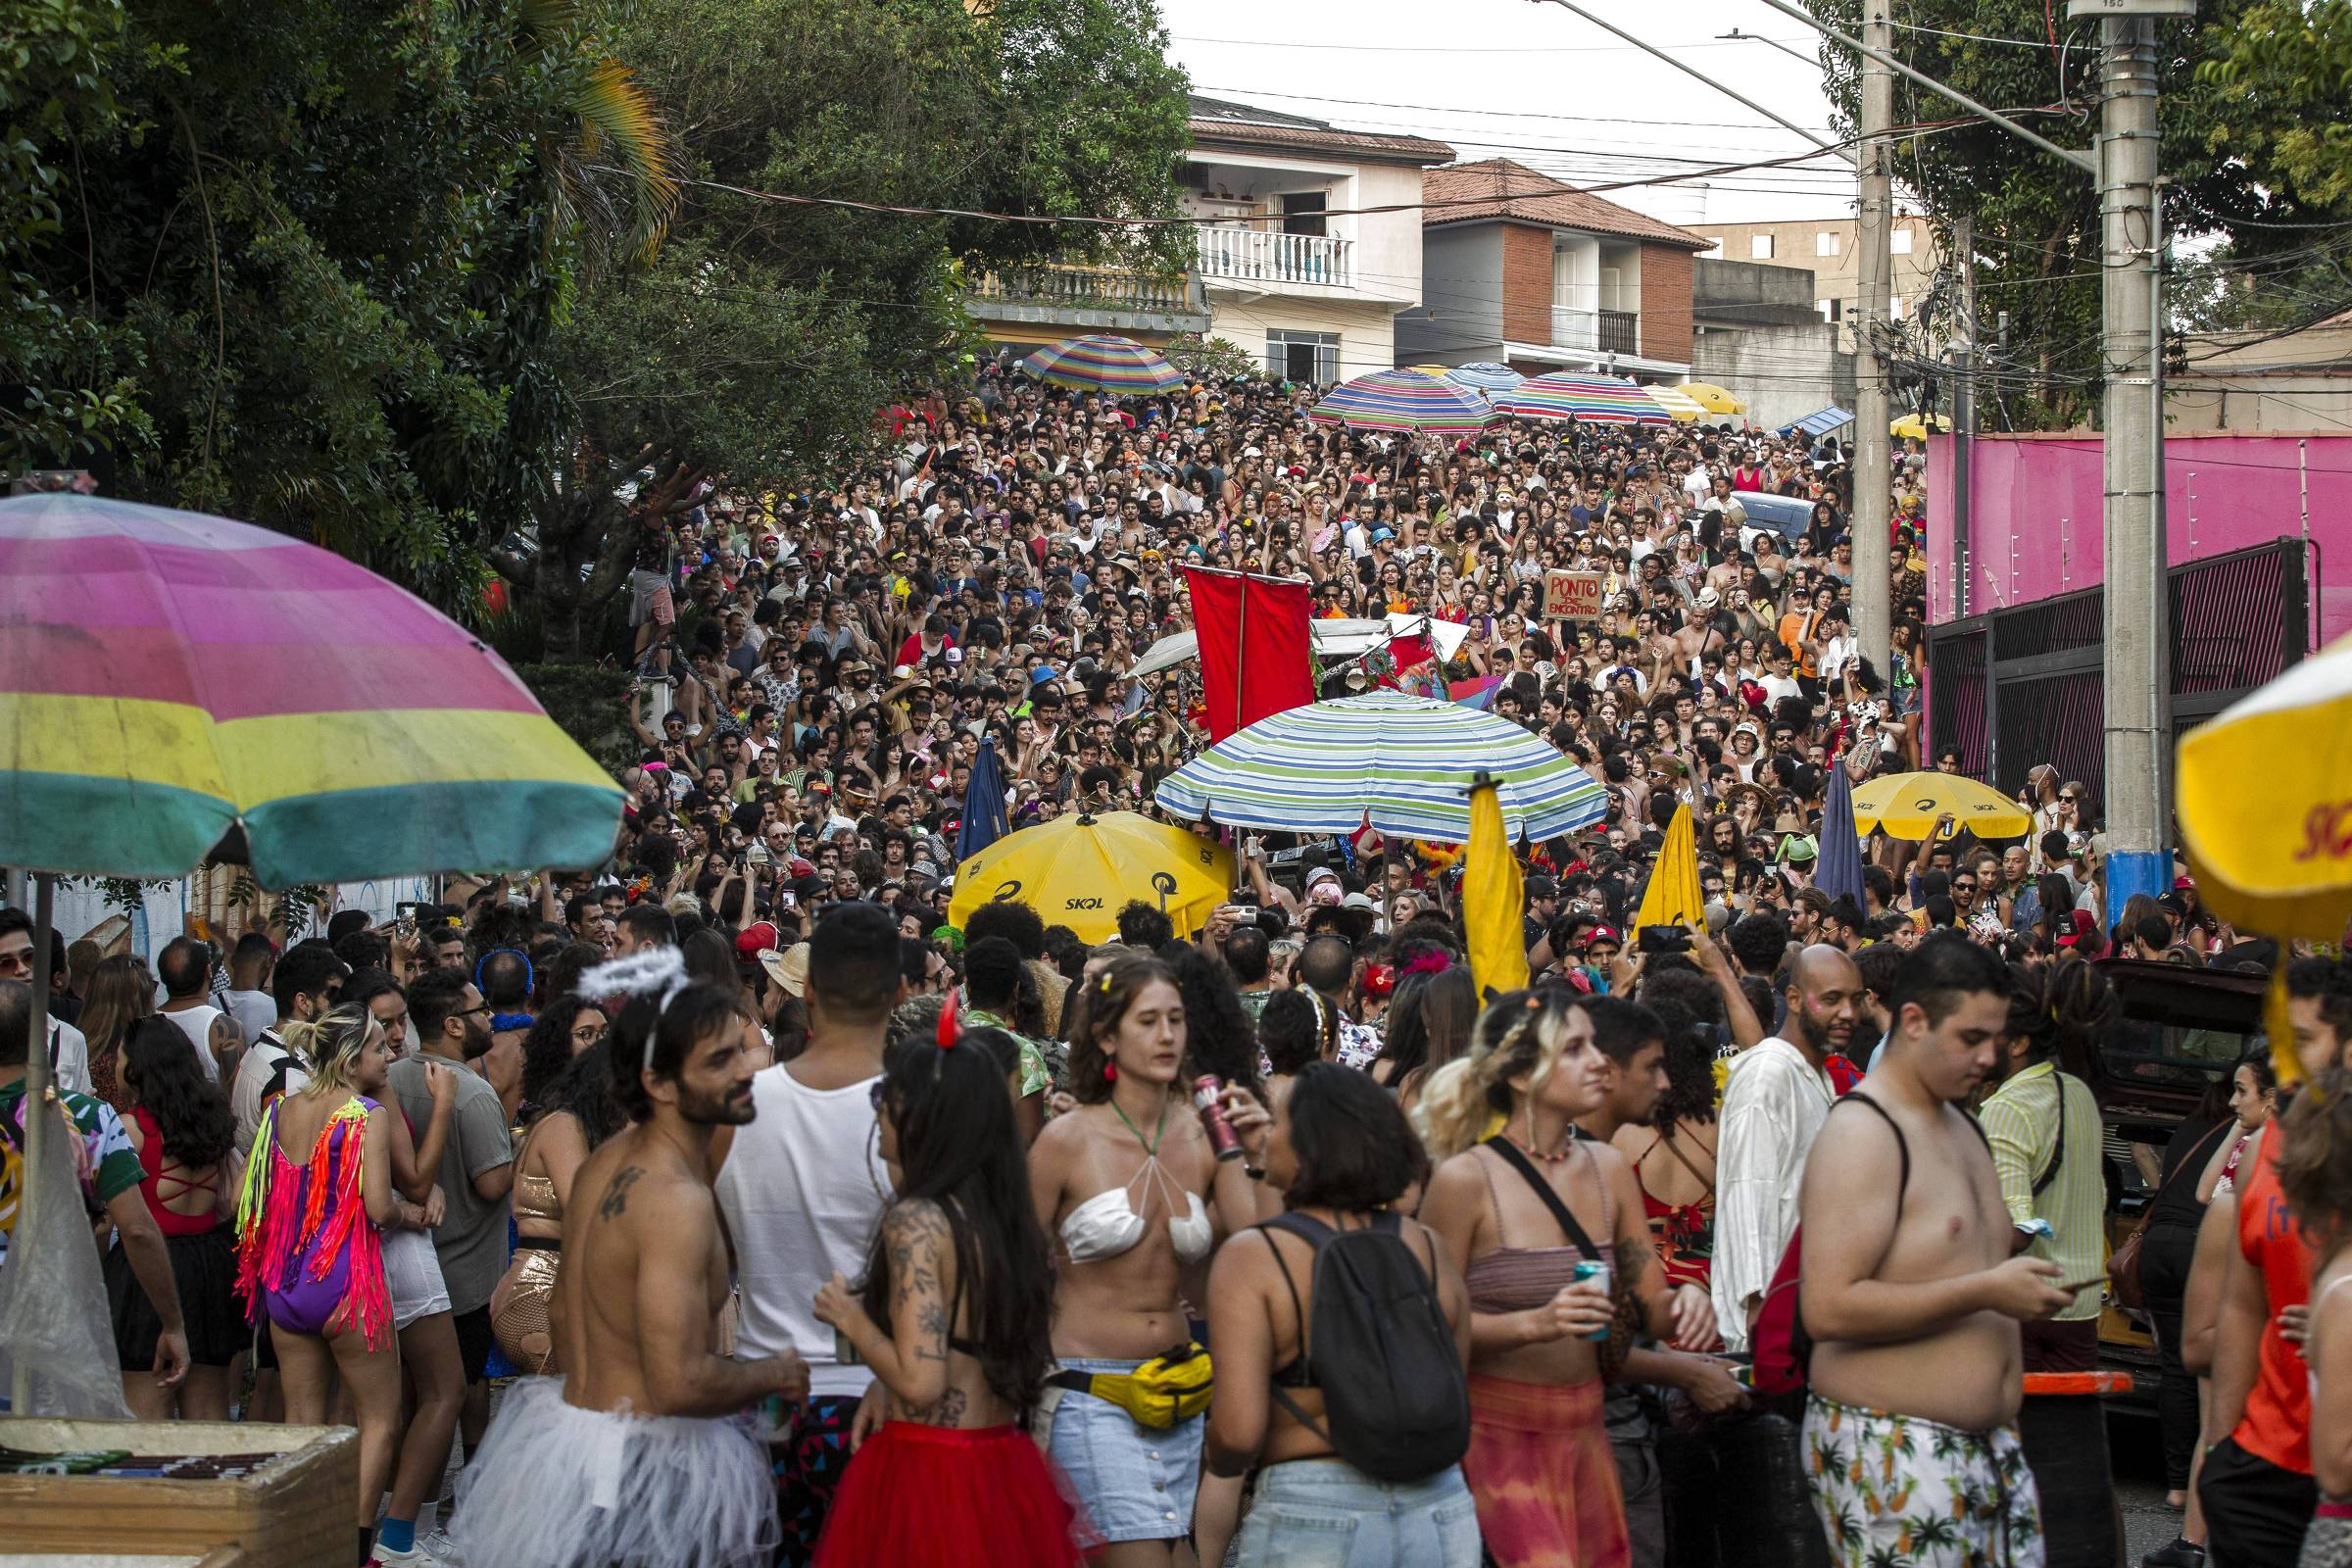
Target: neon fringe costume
x: 306, y: 1252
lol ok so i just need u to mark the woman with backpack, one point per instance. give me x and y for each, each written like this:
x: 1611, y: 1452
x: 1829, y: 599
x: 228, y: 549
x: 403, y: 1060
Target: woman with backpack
x: 954, y: 1314
x: 1518, y: 1200
x: 1342, y: 1334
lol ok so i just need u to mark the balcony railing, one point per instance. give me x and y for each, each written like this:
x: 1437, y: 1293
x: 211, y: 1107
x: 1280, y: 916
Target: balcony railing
x: 1066, y: 283
x: 1596, y: 331
x: 1231, y: 251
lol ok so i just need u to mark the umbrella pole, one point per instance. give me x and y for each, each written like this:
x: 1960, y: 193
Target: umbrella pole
x: 38, y: 1123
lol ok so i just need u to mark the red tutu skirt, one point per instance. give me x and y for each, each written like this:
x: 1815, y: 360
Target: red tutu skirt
x: 918, y: 1497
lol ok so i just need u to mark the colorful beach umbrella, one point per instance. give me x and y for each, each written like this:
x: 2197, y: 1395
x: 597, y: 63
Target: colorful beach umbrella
x: 1484, y: 375
x: 1080, y: 871
x: 1918, y: 426
x: 177, y: 688
x: 1404, y: 399
x: 1408, y: 762
x: 1712, y: 398
x: 1679, y: 405
x: 2265, y: 800
x: 1103, y: 361
x: 1592, y: 399
x: 1908, y: 804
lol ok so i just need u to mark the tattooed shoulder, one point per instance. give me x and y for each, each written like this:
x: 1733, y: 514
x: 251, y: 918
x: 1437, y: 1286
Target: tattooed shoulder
x: 617, y: 1191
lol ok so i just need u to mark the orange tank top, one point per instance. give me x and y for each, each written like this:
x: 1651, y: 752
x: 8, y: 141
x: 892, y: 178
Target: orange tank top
x: 2277, y: 1425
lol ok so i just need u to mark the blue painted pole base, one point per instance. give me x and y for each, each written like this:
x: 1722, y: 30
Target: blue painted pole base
x: 2138, y: 872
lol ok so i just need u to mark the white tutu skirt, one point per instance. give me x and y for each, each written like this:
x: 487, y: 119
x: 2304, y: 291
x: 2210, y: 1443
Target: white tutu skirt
x: 560, y: 1487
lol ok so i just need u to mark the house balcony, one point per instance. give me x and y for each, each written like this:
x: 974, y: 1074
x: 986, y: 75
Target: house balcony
x: 1596, y: 331
x: 1232, y: 253
x: 1071, y: 298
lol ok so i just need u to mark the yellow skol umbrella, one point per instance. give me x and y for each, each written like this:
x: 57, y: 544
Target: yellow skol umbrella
x: 1080, y: 870
x: 1712, y: 398
x: 1907, y: 805
x: 2265, y: 801
x: 1916, y: 426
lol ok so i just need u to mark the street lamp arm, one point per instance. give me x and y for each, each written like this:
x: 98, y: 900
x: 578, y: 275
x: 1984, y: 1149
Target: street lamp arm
x: 2087, y: 162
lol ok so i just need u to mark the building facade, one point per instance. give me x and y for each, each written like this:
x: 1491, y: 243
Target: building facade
x: 1297, y: 266
x: 1827, y: 246
x: 1520, y: 268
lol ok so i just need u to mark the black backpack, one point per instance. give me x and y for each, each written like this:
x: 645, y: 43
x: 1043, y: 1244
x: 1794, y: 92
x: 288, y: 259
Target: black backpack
x: 1394, y: 1396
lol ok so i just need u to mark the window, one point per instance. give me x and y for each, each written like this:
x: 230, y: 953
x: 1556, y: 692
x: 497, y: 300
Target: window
x: 1302, y: 212
x: 1760, y: 247
x: 1830, y: 310
x: 1824, y: 243
x: 1899, y: 307
x: 1714, y: 250
x: 1899, y: 242
x: 1304, y: 356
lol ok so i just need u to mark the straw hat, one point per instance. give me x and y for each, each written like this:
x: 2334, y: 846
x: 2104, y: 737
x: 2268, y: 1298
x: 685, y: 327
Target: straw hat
x: 789, y: 969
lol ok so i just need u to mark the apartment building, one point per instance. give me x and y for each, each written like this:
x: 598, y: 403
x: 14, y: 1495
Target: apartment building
x: 1825, y: 247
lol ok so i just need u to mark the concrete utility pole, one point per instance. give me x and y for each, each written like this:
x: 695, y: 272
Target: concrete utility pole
x: 2138, y: 642
x: 1872, y: 616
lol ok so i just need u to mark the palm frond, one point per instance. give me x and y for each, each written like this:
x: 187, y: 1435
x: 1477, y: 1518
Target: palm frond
x: 622, y: 129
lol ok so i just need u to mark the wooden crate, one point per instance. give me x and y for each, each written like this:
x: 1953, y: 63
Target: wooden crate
x: 299, y: 1510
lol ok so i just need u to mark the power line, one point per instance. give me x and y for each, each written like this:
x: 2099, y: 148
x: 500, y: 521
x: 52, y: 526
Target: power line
x: 1456, y: 49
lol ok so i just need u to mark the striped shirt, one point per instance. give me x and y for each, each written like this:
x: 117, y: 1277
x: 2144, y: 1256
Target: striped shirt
x: 2020, y: 1123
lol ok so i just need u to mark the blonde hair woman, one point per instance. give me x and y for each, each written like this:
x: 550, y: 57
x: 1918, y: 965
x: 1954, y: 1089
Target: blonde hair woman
x: 1519, y: 1201
x: 318, y: 1195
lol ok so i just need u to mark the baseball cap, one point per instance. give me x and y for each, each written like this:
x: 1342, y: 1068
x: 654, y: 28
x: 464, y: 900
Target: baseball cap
x: 1603, y: 933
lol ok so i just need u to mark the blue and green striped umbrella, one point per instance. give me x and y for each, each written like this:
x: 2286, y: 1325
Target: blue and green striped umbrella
x: 1404, y: 399
x: 1103, y: 361
x: 1406, y: 760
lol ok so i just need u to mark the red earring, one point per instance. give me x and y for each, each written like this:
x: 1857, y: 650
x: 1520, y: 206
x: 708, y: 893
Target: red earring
x: 1110, y: 1072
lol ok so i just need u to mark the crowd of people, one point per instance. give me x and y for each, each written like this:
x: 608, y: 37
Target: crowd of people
x: 788, y: 1223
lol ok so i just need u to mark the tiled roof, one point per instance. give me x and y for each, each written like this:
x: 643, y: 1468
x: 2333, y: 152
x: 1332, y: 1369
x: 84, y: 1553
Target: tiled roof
x: 1221, y: 123
x: 1497, y: 187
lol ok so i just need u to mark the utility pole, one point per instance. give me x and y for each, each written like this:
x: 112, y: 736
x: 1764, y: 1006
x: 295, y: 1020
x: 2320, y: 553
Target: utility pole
x: 2138, y: 641
x: 1873, y: 617
x: 1964, y: 408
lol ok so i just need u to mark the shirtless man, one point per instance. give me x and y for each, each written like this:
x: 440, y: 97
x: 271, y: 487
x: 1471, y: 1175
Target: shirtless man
x: 573, y: 1472
x: 1698, y: 634
x: 1911, y: 1295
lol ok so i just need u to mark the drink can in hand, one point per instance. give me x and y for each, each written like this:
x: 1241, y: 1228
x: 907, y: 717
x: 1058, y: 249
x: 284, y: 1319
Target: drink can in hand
x: 1589, y: 1269
x: 1207, y: 1090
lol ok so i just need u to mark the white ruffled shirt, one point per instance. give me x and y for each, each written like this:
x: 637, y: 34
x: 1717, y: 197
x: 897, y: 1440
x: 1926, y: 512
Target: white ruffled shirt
x: 1773, y: 1103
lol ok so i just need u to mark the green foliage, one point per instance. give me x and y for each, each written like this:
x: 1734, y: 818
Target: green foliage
x: 2283, y: 84
x: 592, y: 703
x: 2227, y: 127
x: 1211, y: 357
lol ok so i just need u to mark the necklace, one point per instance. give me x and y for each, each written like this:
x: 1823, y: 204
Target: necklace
x: 1151, y: 1143
x: 1554, y: 1158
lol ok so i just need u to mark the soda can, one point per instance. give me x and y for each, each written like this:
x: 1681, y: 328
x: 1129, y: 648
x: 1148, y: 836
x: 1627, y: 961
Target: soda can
x: 1221, y: 1137
x: 1589, y: 1269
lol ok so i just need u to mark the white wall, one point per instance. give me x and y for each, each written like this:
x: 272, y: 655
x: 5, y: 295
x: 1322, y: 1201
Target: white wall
x: 1389, y: 251
x: 1367, y: 336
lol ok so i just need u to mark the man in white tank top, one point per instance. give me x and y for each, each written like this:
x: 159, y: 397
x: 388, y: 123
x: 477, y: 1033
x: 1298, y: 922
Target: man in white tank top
x: 803, y: 1186
x: 186, y: 968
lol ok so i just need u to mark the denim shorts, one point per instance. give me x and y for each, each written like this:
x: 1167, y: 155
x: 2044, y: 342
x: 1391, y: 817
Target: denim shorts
x: 1326, y: 1513
x: 1136, y: 1482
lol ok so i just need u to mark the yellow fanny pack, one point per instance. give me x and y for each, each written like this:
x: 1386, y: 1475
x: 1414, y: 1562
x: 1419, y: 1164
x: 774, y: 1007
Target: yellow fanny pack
x: 1169, y: 1388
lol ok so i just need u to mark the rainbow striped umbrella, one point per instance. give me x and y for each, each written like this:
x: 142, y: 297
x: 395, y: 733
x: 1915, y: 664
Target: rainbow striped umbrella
x: 1103, y: 361
x: 1593, y: 399
x: 1404, y: 399
x: 1485, y: 375
x: 181, y: 688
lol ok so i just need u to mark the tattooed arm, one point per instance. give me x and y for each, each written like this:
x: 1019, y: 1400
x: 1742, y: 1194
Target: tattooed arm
x: 912, y: 1356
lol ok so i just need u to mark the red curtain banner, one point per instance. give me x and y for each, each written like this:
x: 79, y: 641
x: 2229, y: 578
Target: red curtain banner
x: 1255, y: 657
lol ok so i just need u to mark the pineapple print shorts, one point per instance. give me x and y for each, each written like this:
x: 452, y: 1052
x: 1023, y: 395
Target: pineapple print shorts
x: 1896, y: 1491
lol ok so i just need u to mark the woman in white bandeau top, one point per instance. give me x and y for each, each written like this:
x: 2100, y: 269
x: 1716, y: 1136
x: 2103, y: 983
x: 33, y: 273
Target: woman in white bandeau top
x: 1130, y: 1189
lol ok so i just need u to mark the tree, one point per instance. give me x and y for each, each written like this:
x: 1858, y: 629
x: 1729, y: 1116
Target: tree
x: 762, y: 340
x: 2036, y: 221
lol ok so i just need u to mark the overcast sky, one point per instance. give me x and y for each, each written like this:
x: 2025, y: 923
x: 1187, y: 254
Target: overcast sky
x: 1539, y: 85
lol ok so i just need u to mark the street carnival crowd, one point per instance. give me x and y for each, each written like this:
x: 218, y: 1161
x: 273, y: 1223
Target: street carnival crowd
x: 790, y: 1224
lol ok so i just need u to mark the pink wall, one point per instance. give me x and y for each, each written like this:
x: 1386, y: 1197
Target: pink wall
x: 2036, y: 504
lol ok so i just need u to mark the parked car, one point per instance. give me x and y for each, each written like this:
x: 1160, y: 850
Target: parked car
x: 1786, y: 515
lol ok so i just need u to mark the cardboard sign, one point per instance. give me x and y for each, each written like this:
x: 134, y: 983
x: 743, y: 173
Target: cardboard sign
x: 1572, y: 595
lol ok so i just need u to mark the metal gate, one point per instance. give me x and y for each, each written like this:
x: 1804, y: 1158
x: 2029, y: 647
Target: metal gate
x: 2024, y: 685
